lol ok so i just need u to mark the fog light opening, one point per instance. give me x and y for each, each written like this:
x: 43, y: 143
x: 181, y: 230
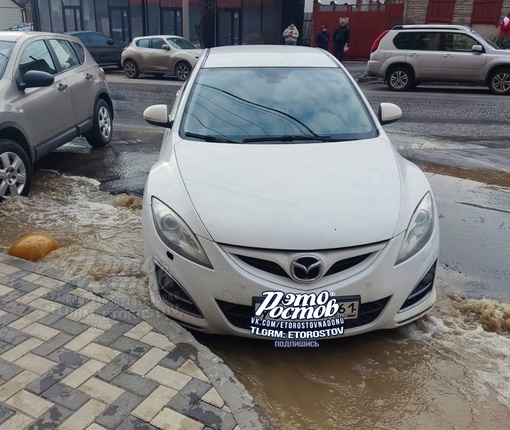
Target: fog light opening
x: 174, y: 295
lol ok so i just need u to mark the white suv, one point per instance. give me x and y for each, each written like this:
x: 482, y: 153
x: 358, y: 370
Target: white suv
x: 407, y: 55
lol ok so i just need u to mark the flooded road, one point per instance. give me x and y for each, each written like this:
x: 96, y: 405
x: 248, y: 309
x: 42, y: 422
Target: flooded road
x: 450, y: 370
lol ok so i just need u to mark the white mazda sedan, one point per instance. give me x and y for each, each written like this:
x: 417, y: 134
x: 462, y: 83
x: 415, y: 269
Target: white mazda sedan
x: 279, y: 208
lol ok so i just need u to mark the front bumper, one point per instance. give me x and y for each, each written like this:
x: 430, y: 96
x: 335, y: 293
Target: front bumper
x: 219, y: 300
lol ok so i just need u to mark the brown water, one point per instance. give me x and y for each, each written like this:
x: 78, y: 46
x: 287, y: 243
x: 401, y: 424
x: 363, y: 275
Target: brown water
x: 450, y: 370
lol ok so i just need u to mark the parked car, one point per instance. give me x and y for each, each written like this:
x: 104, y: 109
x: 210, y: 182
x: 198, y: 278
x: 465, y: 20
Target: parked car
x: 276, y: 177
x: 160, y: 55
x: 104, y: 50
x: 407, y: 55
x: 23, y: 26
x: 50, y: 93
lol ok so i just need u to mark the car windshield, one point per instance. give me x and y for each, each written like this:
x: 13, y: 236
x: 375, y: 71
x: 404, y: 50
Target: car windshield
x: 275, y: 105
x: 179, y: 43
x: 5, y: 53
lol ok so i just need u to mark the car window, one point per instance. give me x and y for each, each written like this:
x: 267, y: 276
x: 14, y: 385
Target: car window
x: 157, y: 43
x: 78, y: 49
x: 180, y: 43
x: 37, y: 57
x: 459, y: 42
x: 143, y: 43
x: 82, y: 36
x: 66, y: 56
x: 247, y: 103
x: 98, y: 38
x: 426, y: 41
x: 404, y: 40
x: 5, y: 53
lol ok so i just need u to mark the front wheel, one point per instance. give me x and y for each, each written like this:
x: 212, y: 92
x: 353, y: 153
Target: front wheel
x: 499, y: 82
x: 101, y: 133
x: 131, y: 69
x: 399, y: 79
x: 15, y: 170
x: 182, y: 71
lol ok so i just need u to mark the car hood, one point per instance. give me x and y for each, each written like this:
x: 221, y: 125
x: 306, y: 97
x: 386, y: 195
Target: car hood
x: 191, y: 51
x: 294, y: 196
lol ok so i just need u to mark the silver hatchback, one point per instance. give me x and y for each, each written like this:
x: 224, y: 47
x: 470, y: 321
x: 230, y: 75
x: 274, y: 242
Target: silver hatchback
x: 51, y: 91
x: 407, y: 55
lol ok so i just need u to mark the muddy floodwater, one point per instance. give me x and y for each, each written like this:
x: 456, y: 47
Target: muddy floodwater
x: 450, y: 370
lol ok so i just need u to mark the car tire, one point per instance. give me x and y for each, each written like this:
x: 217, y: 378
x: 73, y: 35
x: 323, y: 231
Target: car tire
x: 102, y: 130
x: 499, y: 82
x: 399, y: 78
x: 182, y: 70
x: 16, y: 180
x: 131, y: 69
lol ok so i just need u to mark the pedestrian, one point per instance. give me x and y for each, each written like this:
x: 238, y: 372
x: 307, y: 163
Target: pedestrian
x: 504, y: 30
x: 291, y: 34
x: 322, y: 39
x: 341, y: 38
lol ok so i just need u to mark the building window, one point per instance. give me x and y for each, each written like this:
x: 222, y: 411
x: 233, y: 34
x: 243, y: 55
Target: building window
x: 440, y: 11
x: 486, y: 12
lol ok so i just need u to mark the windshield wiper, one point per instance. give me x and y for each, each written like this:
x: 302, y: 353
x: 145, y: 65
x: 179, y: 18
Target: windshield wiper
x: 289, y: 138
x: 209, y: 138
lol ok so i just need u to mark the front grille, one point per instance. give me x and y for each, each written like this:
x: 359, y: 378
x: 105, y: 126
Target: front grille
x: 423, y: 288
x: 174, y: 295
x: 240, y: 315
x: 341, y: 265
x: 264, y: 265
x: 276, y: 269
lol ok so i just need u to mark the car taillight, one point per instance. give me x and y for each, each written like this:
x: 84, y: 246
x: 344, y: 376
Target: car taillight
x: 103, y: 72
x: 125, y: 47
x: 375, y: 45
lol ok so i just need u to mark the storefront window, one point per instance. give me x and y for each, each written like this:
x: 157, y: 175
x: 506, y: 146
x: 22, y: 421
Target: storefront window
x: 153, y: 17
x: 89, y: 22
x: 120, y: 20
x: 57, y: 20
x: 102, y: 20
x: 271, y: 21
x: 44, y: 15
x: 135, y: 10
x: 252, y: 24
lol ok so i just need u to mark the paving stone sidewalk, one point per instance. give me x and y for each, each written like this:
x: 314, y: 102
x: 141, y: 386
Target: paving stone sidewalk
x: 74, y: 360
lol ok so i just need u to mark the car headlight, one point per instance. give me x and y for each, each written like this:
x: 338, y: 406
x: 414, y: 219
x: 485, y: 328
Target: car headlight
x: 419, y: 230
x: 174, y: 232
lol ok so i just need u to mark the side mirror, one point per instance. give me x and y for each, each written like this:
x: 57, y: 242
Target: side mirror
x: 477, y: 48
x: 157, y: 115
x: 166, y: 47
x: 110, y: 42
x: 388, y: 113
x: 34, y: 79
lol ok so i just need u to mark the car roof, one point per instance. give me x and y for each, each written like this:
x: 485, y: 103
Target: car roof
x: 268, y: 56
x: 159, y: 35
x: 431, y: 27
x: 17, y: 35
x: 82, y: 31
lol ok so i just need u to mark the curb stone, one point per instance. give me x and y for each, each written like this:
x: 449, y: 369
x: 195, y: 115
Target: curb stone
x: 243, y: 407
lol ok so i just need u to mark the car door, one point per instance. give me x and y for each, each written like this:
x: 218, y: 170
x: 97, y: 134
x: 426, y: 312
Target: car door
x: 459, y: 61
x: 159, y: 55
x: 424, y: 54
x: 103, y: 49
x: 48, y: 110
x: 78, y: 78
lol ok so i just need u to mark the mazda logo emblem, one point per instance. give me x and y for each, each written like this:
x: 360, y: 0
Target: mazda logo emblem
x: 306, y: 268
